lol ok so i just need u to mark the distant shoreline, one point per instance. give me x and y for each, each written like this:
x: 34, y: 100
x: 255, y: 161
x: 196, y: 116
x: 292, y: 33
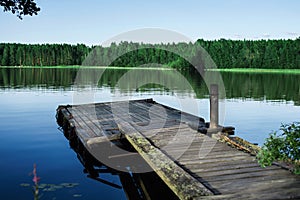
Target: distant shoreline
x: 257, y: 70
x: 235, y: 70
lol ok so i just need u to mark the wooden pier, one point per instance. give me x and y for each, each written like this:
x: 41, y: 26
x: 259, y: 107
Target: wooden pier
x: 178, y: 147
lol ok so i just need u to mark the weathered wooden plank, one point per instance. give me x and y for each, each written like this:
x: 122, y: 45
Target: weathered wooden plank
x: 191, y: 120
x: 157, y: 121
x: 204, y: 160
x: 138, y: 118
x: 188, y: 188
x: 235, y: 186
x: 261, y: 192
x: 232, y: 171
x: 157, y: 124
x: 82, y: 134
x: 217, y: 166
x: 196, y: 147
x: 80, y: 122
x: 99, y: 127
x: 244, y: 175
x: 98, y: 140
x: 259, y: 188
x: 215, y: 153
x: 189, y: 155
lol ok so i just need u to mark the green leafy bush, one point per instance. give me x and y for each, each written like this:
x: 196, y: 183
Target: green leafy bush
x: 282, y: 146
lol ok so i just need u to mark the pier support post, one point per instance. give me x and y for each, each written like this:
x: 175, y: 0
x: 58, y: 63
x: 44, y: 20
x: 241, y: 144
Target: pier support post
x: 214, y: 106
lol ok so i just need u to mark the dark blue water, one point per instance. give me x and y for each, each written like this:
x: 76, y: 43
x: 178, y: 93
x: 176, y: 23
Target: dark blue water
x: 29, y: 133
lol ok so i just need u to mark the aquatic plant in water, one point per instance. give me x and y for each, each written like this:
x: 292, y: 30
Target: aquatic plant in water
x: 36, y: 180
x: 37, y: 187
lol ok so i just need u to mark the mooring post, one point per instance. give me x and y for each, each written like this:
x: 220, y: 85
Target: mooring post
x: 214, y: 106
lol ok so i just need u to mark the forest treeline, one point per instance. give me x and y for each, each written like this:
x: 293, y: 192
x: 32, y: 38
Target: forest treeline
x: 12, y: 54
x: 268, y: 54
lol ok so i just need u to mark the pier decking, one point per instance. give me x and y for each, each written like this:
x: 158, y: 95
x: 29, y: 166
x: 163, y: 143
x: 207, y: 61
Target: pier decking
x: 175, y: 145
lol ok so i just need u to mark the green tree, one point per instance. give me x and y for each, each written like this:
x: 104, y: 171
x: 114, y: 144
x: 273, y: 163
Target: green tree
x: 19, y: 55
x: 5, y: 56
x: 20, y: 7
x: 282, y: 147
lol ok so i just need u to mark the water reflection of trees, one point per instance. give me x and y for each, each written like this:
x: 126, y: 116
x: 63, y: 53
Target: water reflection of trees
x: 237, y: 85
x: 263, y: 86
x: 156, y: 80
x: 36, y: 77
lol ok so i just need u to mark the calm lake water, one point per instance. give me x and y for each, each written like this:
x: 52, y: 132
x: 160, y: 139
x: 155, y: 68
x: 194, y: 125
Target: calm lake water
x: 255, y: 104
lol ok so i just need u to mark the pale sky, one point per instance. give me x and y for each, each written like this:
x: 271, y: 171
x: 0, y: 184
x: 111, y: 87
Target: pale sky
x: 93, y: 21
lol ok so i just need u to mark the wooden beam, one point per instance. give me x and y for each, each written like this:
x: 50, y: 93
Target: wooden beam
x: 97, y: 140
x: 167, y: 169
x: 214, y: 106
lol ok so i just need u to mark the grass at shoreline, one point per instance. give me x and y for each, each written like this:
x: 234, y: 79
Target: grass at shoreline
x: 257, y: 70
x: 234, y: 70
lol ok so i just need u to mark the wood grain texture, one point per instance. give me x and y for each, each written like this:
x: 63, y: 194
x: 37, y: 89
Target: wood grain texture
x: 169, y: 141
